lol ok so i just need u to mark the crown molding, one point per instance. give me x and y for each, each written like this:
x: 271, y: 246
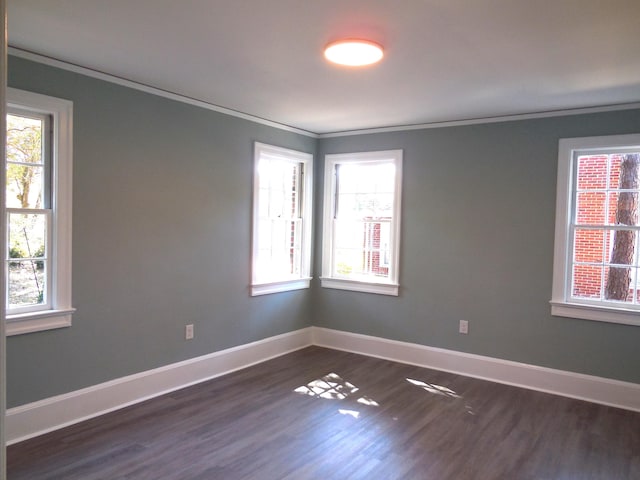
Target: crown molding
x: 53, y: 62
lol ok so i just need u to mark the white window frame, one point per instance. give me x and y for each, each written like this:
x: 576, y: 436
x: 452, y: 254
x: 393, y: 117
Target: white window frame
x: 389, y: 286
x: 303, y: 280
x: 58, y: 312
x: 562, y: 304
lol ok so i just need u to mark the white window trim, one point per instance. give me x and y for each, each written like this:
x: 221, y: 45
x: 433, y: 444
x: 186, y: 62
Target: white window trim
x: 561, y: 303
x: 390, y: 286
x: 304, y: 280
x: 61, y: 202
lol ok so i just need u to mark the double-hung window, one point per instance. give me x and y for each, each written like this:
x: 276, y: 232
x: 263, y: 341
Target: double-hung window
x: 281, y: 220
x: 38, y: 212
x: 361, y: 231
x: 596, y: 261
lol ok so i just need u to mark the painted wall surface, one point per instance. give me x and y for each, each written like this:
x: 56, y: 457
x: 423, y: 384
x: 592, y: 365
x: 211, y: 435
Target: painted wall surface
x: 161, y: 238
x: 477, y: 244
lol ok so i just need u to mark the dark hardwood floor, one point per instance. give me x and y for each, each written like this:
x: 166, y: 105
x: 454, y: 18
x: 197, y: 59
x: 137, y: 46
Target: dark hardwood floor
x: 324, y: 414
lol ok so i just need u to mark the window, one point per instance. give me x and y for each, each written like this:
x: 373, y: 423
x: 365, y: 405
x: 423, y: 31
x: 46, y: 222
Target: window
x: 281, y: 220
x: 596, y: 257
x: 361, y: 237
x: 38, y: 213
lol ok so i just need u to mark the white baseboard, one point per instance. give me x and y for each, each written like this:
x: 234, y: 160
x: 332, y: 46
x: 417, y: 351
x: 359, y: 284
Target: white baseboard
x: 50, y: 414
x: 568, y: 384
x: 37, y: 418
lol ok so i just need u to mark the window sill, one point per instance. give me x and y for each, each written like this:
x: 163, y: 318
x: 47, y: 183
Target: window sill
x: 596, y: 313
x: 31, y: 322
x: 358, y: 286
x: 277, y: 287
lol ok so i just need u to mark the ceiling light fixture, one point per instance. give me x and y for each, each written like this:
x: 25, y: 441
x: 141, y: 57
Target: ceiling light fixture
x: 354, y: 53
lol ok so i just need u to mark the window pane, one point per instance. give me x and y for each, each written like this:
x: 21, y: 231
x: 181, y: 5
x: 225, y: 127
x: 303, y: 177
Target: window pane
x: 364, y: 210
x: 623, y: 208
x: 27, y: 235
x: 26, y: 281
x: 279, y: 189
x: 365, y: 205
x: 25, y: 162
x: 590, y: 209
x: 25, y: 186
x: 362, y: 248
x: 24, y: 139
x: 366, y: 178
x: 592, y: 172
x: 279, y: 249
x: 612, y: 291
x: 588, y: 246
x: 587, y: 281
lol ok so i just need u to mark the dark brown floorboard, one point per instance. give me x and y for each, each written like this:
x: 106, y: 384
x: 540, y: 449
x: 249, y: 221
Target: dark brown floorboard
x: 402, y: 422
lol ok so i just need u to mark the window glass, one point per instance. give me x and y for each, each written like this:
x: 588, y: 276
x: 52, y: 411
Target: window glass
x: 361, y: 228
x: 38, y: 215
x: 282, y: 220
x: 596, y: 254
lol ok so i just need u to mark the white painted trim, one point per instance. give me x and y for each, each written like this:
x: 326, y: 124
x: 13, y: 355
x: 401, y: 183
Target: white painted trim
x: 37, y: 418
x: 52, y: 62
x: 50, y: 414
x: 484, y: 120
x: 277, y: 287
x: 594, y: 389
x: 595, y: 313
x: 356, y: 286
x: 3, y: 338
x: 38, y: 321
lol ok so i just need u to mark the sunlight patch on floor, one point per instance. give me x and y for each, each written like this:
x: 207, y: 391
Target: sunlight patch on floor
x: 331, y: 387
x: 334, y: 387
x: 433, y: 388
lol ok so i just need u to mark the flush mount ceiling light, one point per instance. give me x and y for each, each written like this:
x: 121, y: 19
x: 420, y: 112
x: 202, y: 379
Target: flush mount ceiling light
x: 354, y: 53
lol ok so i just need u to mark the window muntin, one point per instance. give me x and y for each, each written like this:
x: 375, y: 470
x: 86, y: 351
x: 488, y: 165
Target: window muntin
x: 38, y: 215
x: 596, y: 254
x: 282, y: 220
x: 362, y: 221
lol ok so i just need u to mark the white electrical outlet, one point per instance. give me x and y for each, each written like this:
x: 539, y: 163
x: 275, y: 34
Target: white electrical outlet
x: 188, y: 331
x: 464, y: 327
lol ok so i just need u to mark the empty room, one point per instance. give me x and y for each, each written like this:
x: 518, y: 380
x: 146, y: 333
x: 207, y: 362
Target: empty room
x: 357, y: 239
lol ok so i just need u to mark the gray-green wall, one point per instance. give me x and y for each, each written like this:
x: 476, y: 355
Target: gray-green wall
x: 161, y: 238
x: 477, y: 244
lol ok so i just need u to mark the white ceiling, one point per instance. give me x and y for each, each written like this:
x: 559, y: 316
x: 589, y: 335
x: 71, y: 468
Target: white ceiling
x: 446, y: 60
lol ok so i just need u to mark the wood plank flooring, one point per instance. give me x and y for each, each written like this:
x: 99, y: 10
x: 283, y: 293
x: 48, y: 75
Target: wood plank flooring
x: 324, y: 414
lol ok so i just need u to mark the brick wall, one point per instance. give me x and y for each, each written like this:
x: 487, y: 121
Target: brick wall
x: 596, y: 205
x: 371, y: 258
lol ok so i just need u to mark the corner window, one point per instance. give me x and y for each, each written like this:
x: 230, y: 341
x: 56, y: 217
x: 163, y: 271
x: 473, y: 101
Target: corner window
x: 361, y: 231
x: 281, y: 220
x: 38, y: 214
x: 596, y: 259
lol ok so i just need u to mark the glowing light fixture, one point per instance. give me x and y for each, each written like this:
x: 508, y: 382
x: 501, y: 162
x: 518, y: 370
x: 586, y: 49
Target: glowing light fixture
x: 354, y: 53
